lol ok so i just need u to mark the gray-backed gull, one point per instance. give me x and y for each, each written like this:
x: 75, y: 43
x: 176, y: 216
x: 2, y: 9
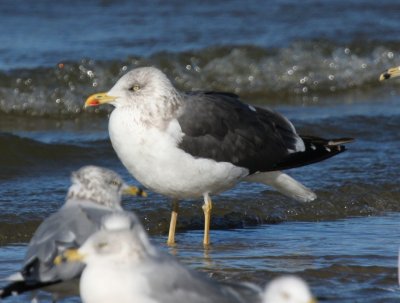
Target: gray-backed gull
x: 123, y: 266
x: 188, y: 145
x: 94, y: 192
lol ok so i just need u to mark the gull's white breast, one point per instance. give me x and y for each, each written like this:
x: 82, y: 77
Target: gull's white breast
x: 151, y: 155
x: 109, y: 282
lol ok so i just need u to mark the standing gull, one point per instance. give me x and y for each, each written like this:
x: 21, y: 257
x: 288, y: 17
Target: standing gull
x: 94, y: 192
x: 188, y: 145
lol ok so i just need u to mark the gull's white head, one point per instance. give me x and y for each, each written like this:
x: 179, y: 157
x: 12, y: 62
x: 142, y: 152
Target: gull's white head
x: 100, y: 185
x: 139, y: 88
x: 288, y: 289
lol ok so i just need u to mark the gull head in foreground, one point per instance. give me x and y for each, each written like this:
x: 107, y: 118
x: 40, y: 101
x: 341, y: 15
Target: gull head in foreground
x: 197, y: 144
x: 94, y: 192
x: 123, y: 266
x: 288, y: 289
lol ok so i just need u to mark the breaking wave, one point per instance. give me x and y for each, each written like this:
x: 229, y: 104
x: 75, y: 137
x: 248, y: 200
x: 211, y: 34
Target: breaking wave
x: 304, y: 72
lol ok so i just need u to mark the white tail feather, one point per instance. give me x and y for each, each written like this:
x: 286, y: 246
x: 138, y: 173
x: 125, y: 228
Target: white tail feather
x: 14, y: 277
x: 285, y: 185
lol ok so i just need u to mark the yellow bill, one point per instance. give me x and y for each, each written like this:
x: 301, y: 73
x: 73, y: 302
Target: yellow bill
x: 390, y: 73
x: 98, y: 99
x: 134, y: 191
x: 69, y: 255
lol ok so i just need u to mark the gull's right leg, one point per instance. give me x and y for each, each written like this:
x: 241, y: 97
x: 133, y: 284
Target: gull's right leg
x: 172, y: 224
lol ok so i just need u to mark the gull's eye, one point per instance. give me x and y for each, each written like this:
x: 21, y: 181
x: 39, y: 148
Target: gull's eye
x: 102, y: 245
x: 116, y: 183
x: 135, y: 88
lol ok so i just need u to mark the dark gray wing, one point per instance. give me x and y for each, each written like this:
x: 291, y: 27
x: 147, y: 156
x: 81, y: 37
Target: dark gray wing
x: 69, y: 227
x: 219, y: 126
x: 174, y: 283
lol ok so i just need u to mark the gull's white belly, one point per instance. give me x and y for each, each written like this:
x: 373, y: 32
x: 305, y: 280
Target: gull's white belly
x: 105, y: 283
x: 152, y: 157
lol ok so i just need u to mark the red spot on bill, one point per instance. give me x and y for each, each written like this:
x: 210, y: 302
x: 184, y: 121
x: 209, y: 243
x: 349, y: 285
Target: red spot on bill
x: 93, y: 102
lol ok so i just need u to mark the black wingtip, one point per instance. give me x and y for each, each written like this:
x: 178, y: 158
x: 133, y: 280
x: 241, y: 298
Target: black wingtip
x: 316, y: 150
x: 19, y: 287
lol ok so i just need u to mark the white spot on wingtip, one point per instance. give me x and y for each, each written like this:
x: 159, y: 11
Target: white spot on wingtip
x: 299, y: 146
x: 328, y: 149
x: 252, y: 108
x: 313, y: 147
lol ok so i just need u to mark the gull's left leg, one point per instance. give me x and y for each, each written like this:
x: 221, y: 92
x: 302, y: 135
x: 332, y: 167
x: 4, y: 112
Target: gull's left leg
x: 172, y: 224
x: 207, y: 218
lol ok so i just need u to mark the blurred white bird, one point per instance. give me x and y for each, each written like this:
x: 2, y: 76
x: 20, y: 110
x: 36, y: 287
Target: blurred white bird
x: 123, y: 266
x: 288, y: 289
x: 94, y: 192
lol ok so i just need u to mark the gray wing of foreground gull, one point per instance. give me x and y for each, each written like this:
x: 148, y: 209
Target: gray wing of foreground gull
x: 121, y: 255
x: 174, y: 283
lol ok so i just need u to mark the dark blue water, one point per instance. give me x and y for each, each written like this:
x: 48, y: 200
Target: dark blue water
x: 318, y: 62
x: 43, y: 33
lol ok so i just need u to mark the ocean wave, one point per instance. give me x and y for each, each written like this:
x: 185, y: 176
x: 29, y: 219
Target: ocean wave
x: 24, y: 155
x: 304, y: 72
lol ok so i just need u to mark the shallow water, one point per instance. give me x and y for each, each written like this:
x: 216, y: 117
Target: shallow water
x: 316, y: 62
x: 346, y: 260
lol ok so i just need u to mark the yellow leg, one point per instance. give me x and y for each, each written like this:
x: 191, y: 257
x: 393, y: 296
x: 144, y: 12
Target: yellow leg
x: 172, y: 224
x: 207, y: 207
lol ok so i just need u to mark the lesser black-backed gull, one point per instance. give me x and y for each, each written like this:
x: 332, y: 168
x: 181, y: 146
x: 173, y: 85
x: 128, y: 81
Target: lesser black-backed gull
x: 94, y: 192
x: 188, y: 145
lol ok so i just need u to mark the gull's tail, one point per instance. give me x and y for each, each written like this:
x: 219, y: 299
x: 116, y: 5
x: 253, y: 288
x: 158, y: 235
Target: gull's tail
x: 316, y: 149
x: 284, y: 184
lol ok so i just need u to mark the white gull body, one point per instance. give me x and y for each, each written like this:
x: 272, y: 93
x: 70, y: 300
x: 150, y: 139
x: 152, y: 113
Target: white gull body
x: 163, y: 167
